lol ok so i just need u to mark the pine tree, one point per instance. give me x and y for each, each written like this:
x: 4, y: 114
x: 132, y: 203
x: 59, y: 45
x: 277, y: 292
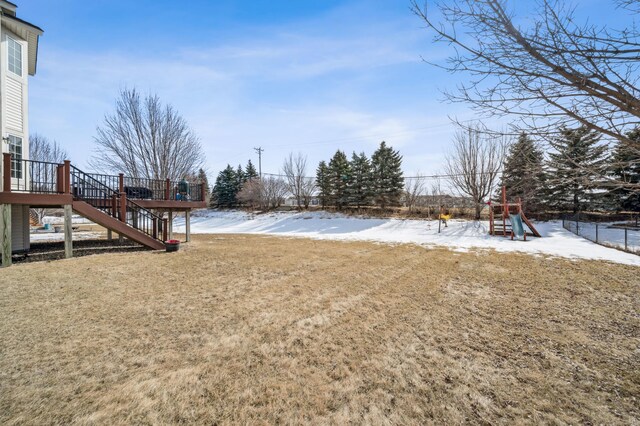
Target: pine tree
x: 323, y: 183
x: 387, y: 178
x: 625, y: 167
x: 523, y: 173
x: 241, y: 177
x: 226, y: 188
x: 250, y: 171
x: 360, y: 193
x: 339, y: 176
x: 574, y: 168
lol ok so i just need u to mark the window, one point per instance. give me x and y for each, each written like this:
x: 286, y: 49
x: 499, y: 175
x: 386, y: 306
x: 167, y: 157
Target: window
x: 15, y: 149
x: 15, y: 56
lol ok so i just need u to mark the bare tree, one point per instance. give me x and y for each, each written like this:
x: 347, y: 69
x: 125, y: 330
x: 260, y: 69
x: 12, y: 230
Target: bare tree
x: 144, y: 138
x: 556, y: 72
x: 299, y: 186
x: 251, y: 193
x: 474, y: 164
x: 414, y: 188
x: 266, y: 193
x: 308, y: 190
x: 274, y: 191
x: 42, y: 149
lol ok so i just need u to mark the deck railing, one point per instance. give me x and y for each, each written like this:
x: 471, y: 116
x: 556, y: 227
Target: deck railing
x: 37, y: 177
x: 42, y: 177
x: 85, y: 187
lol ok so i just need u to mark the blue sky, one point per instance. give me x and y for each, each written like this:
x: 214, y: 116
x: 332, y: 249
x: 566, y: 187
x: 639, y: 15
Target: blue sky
x: 306, y: 76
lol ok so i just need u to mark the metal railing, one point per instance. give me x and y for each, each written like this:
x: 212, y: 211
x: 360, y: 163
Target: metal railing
x: 109, y: 181
x: 38, y: 177
x: 45, y: 177
x: 181, y: 191
x: 145, y: 189
x: 622, y: 235
x: 87, y: 188
x: 144, y: 220
x: 152, y: 189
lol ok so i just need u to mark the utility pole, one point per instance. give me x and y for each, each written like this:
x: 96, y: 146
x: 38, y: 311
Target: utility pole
x: 259, y: 151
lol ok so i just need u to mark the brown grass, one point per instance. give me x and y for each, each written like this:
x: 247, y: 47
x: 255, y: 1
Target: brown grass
x: 253, y: 330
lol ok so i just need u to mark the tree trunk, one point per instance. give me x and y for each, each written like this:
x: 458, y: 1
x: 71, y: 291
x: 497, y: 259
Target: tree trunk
x: 479, y: 207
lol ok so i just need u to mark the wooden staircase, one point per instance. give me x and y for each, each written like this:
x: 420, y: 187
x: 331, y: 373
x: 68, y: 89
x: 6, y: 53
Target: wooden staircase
x: 33, y: 218
x: 113, y: 210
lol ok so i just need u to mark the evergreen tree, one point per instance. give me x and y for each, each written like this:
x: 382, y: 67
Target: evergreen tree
x: 523, y: 173
x: 339, y: 176
x: 241, y: 177
x: 360, y: 193
x: 250, y: 171
x: 625, y: 167
x: 387, y: 178
x: 574, y: 168
x: 226, y: 188
x: 323, y: 183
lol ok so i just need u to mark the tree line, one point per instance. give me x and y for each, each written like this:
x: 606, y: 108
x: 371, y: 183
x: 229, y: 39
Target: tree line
x: 338, y: 183
x: 579, y: 173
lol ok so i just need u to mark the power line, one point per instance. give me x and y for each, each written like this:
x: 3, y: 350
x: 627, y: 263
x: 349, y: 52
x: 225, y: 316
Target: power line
x: 442, y: 176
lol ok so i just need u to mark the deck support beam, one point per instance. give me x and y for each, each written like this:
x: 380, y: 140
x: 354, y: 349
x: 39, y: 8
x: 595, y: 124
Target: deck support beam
x: 187, y: 225
x: 5, y: 234
x: 171, y: 224
x: 68, y: 231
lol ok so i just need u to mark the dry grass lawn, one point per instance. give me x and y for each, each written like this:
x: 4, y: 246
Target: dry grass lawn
x: 266, y: 330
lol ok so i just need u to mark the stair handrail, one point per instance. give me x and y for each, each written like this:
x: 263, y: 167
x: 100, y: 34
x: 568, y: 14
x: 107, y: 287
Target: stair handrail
x: 156, y: 221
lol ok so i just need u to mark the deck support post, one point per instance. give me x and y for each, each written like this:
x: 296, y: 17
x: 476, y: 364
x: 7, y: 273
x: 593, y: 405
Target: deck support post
x: 154, y: 231
x: 187, y: 225
x: 5, y: 234
x: 109, y: 235
x: 6, y: 177
x: 68, y: 232
x: 171, y: 224
x: 164, y: 229
x: 67, y: 177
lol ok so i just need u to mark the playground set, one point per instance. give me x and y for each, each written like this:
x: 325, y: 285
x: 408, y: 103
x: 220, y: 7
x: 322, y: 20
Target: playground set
x: 508, y: 219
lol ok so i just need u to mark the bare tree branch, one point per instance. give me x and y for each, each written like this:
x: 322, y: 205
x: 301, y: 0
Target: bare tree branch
x: 143, y: 138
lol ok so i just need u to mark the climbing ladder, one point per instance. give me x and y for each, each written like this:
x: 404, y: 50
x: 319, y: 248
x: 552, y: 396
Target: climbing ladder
x: 500, y: 218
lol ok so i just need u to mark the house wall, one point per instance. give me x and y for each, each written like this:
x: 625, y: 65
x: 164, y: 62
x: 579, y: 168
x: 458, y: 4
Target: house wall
x: 19, y: 228
x: 14, y: 95
x: 14, y: 121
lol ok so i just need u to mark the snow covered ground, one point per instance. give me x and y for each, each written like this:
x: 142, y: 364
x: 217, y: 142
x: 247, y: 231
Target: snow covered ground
x: 460, y: 235
x: 59, y: 220
x: 59, y: 236
x: 50, y: 236
x: 607, y: 235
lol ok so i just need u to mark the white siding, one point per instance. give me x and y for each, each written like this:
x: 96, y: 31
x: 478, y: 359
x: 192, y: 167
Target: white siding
x: 19, y: 228
x: 14, y: 115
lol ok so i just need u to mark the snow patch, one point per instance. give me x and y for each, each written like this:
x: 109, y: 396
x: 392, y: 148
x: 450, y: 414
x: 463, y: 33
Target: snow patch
x: 460, y: 235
